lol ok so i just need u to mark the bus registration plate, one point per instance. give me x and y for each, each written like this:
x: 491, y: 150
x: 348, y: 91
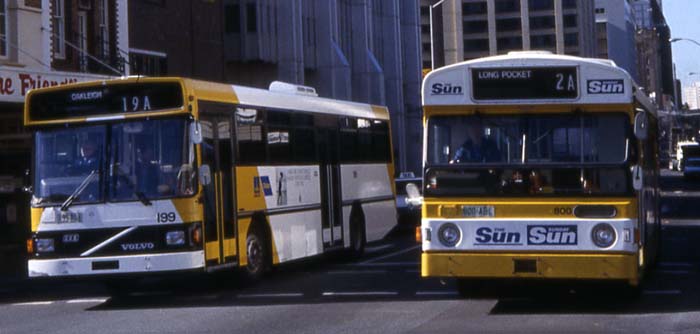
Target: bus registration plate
x: 478, y: 211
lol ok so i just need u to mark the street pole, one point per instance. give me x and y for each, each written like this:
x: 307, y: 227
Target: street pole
x: 432, y: 44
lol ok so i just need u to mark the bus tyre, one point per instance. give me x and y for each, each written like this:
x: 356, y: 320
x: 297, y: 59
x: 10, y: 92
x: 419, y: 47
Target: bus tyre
x: 358, y: 238
x: 258, y: 253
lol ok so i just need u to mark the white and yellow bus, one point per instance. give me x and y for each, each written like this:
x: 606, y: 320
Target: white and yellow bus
x: 538, y: 167
x: 145, y: 175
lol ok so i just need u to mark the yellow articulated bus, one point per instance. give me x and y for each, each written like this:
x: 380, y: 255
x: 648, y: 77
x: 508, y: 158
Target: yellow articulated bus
x: 538, y: 167
x: 145, y: 175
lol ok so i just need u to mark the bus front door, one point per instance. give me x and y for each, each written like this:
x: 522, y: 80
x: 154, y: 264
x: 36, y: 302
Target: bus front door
x: 331, y: 199
x: 218, y: 200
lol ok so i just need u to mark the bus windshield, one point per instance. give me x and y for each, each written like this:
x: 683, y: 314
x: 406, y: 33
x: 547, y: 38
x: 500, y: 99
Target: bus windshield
x: 138, y: 160
x: 529, y: 139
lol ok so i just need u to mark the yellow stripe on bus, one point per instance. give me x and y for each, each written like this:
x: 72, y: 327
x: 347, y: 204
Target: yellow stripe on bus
x: 527, y: 208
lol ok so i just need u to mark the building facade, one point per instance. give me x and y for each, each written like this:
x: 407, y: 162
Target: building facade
x: 478, y: 28
x: 655, y: 58
x: 615, y: 33
x: 359, y: 50
x: 46, y: 43
x: 691, y: 96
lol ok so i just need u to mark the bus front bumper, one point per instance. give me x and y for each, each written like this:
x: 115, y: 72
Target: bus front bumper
x: 620, y: 267
x: 129, y: 264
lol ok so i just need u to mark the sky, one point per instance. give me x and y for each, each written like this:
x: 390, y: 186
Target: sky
x: 683, y: 17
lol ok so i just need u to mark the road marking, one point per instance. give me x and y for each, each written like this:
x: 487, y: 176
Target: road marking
x: 661, y: 292
x: 436, y: 293
x: 354, y: 272
x: 412, y: 271
x: 377, y: 248
x: 94, y: 300
x: 33, y: 303
x: 366, y: 293
x: 680, y: 193
x: 681, y: 221
x: 673, y: 272
x: 391, y: 254
x: 387, y: 264
x: 270, y: 295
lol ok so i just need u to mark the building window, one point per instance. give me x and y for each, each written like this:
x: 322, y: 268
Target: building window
x: 507, y: 6
x: 475, y: 27
x: 59, y: 29
x: 600, y: 10
x: 82, y: 40
x: 508, y: 25
x: 233, y: 19
x: 571, y: 39
x: 103, y: 26
x: 510, y: 43
x: 474, y: 8
x: 3, y: 29
x: 251, y: 18
x: 569, y: 4
x: 540, y: 4
x: 542, y: 22
x: 476, y: 45
x: 542, y: 41
x: 148, y: 62
x: 570, y: 20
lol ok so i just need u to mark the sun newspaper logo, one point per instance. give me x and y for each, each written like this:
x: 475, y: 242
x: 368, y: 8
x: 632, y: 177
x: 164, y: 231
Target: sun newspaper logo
x: 441, y: 88
x: 609, y: 86
x: 486, y: 236
x: 552, y: 235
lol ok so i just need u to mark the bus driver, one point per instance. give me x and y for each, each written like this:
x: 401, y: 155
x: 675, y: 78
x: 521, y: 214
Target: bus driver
x: 477, y: 148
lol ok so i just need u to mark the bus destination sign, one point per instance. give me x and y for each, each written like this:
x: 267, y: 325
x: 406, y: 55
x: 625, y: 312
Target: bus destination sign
x: 524, y: 83
x: 105, y: 100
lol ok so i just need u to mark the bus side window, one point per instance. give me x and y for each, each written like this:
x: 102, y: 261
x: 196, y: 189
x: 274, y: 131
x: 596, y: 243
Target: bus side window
x: 251, y: 136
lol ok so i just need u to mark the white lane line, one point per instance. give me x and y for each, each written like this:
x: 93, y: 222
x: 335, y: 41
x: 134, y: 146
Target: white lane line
x: 271, y: 295
x: 377, y: 248
x: 355, y: 272
x: 661, y: 292
x: 673, y: 272
x: 34, y: 303
x: 391, y: 254
x: 80, y: 301
x: 675, y: 264
x: 436, y: 293
x: 412, y: 271
x: 387, y: 264
x: 366, y: 293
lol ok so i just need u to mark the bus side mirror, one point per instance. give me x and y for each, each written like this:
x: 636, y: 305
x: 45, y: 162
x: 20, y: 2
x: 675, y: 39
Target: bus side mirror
x: 196, y: 132
x: 637, y: 177
x: 204, y: 175
x: 27, y: 182
x: 641, y: 126
x: 413, y: 198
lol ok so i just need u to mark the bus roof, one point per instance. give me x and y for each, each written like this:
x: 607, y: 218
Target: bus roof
x: 256, y: 97
x: 90, y: 108
x: 595, y: 81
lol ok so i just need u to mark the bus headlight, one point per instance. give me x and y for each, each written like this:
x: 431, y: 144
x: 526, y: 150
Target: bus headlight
x: 175, y: 238
x: 603, y: 235
x: 44, y: 245
x: 449, y: 234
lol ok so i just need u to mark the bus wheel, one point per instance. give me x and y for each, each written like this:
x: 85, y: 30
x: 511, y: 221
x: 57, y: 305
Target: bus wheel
x: 258, y: 254
x: 358, y: 238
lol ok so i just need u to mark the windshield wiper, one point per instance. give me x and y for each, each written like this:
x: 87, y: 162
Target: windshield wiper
x: 139, y: 194
x: 79, y: 190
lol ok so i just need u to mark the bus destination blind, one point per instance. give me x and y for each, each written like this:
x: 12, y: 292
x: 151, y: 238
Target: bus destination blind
x: 105, y: 100
x: 524, y: 83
